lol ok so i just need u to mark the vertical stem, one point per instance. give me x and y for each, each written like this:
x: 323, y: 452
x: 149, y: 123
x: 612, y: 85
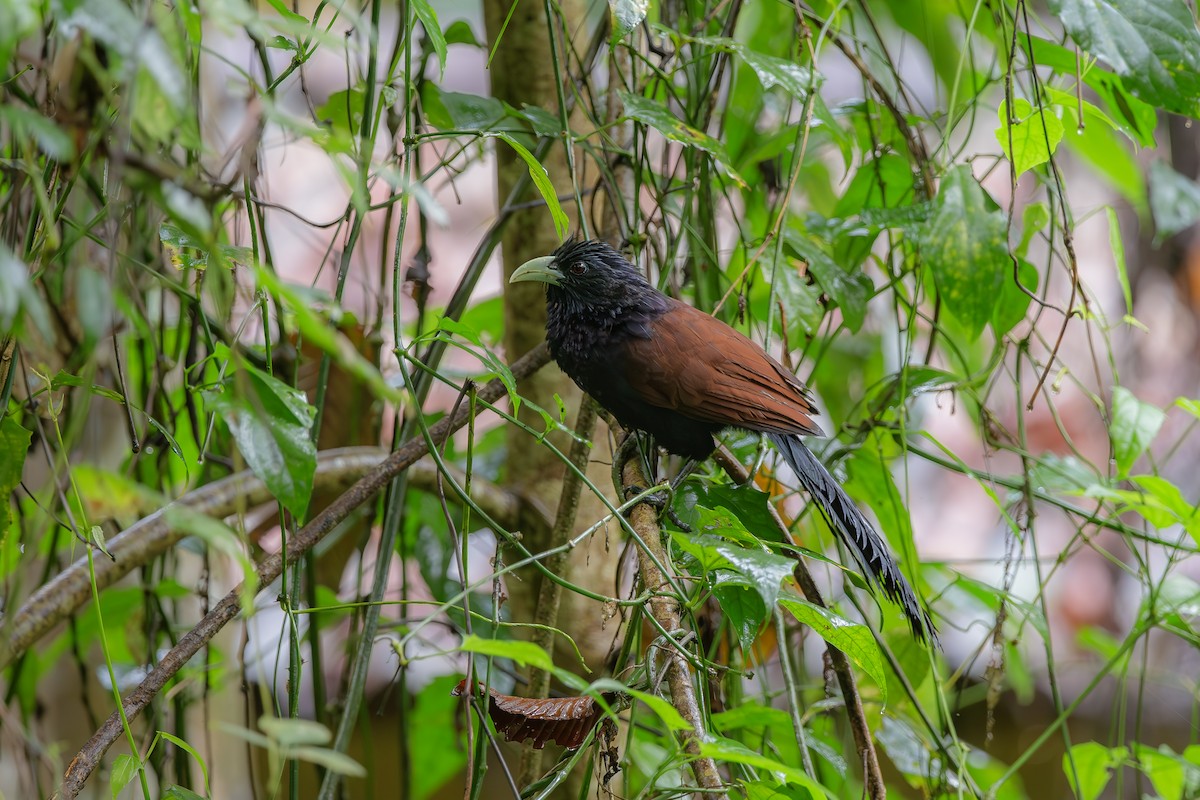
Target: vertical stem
x: 665, y: 610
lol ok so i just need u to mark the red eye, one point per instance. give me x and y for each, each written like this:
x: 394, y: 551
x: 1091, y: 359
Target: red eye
x: 577, y: 269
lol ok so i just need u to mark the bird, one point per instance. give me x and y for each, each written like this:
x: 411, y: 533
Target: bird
x: 667, y: 369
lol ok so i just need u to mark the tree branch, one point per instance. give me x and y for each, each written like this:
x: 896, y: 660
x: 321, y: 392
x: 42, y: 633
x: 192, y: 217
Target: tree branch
x: 90, y: 755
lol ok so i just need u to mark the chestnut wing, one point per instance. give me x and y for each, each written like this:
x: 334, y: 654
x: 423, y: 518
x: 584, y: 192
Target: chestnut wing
x: 703, y: 369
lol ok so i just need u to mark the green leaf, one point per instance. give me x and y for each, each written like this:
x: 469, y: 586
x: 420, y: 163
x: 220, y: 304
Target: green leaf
x: 1013, y: 302
x: 741, y: 604
x: 852, y: 638
x: 1174, y: 201
x: 1152, y: 44
x: 666, y: 712
x: 187, y: 748
x: 14, y: 445
x: 734, y: 752
x: 331, y: 760
x: 850, y: 291
x: 125, y: 767
x: 343, y: 111
x: 1117, y: 244
x: 459, y: 111
x: 626, y: 16
x: 437, y: 749
x: 289, y: 732
x: 1165, y: 769
x: 659, y: 117
x: 115, y: 24
x: 175, y: 792
x: 433, y: 31
x: 25, y: 122
x: 966, y: 247
x: 18, y: 297
x: 524, y: 653
x: 1030, y: 137
x: 1134, y: 425
x: 763, y: 570
x: 460, y: 32
x: 541, y: 179
x: 908, y: 752
x: 1088, y: 767
x: 272, y: 425
x: 1109, y: 155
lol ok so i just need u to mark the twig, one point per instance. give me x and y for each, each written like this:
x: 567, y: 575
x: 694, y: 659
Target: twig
x: 88, y: 758
x: 665, y: 610
x: 876, y: 789
x: 150, y: 537
x: 550, y: 592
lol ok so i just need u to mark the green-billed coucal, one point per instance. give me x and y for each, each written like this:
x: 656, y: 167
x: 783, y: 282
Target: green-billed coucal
x: 663, y: 367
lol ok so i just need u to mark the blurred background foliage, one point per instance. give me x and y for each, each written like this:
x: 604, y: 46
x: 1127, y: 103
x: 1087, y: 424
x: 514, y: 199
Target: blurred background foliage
x: 234, y: 237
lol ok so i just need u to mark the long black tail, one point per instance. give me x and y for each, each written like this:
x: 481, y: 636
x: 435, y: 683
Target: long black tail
x: 844, y: 517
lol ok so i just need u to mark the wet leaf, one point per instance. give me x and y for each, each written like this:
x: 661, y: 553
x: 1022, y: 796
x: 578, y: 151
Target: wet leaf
x: 966, y: 246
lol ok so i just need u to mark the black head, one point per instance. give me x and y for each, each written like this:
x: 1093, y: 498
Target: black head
x: 589, y: 273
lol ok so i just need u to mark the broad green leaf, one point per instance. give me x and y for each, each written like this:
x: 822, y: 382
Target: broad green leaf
x: 433, y: 31
x: 741, y: 604
x: 1152, y: 44
x: 669, y: 715
x: 850, y: 291
x: 460, y: 32
x: 761, y: 790
x: 1013, y: 302
x: 909, y: 752
x: 771, y: 71
x: 1157, y: 499
x: 125, y: 767
x: 763, y: 570
x: 14, y: 444
x: 463, y: 112
x: 343, y: 111
x: 541, y: 179
x: 1088, y: 767
x: 288, y: 732
x: 1134, y: 425
x: 1034, y: 218
x: 331, y: 760
x: 1164, y: 768
x: 175, y: 792
x: 1055, y: 474
x: 734, y: 752
x: 852, y: 638
x: 1174, y: 201
x: 1108, y: 153
x: 272, y: 425
x: 626, y: 16
x: 659, y: 117
x: 966, y: 247
x: 1030, y: 137
x: 524, y: 653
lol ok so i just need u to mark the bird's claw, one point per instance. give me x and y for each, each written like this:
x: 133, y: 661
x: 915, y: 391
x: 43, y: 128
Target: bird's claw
x: 660, y: 500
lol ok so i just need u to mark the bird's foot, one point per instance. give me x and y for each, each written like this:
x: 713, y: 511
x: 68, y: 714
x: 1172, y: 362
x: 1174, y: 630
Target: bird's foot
x: 662, y: 500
